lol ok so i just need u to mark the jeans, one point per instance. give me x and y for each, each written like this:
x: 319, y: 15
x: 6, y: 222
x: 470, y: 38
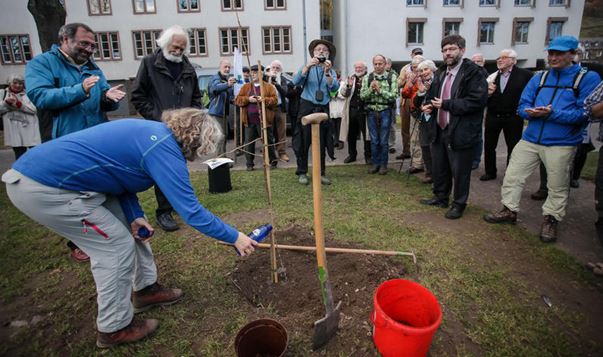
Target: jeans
x: 379, y: 124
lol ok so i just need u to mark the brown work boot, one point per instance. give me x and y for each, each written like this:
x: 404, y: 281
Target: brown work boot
x: 154, y: 295
x: 503, y: 216
x: 136, y: 330
x: 548, y: 231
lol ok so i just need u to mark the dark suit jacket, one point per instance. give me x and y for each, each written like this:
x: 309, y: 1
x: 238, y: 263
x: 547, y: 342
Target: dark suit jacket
x: 507, y: 101
x: 469, y: 95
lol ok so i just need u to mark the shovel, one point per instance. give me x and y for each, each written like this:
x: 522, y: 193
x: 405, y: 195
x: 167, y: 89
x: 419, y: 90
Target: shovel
x: 326, y: 327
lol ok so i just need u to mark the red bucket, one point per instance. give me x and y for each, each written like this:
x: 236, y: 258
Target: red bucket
x: 405, y: 317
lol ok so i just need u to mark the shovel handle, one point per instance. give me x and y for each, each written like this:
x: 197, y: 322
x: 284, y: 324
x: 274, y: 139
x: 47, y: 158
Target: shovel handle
x: 314, y: 118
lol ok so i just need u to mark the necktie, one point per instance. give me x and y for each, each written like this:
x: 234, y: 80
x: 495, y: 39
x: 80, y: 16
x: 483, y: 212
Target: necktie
x: 442, y: 120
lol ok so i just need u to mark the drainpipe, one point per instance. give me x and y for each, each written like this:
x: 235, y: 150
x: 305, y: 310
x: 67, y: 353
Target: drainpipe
x: 305, y: 32
x: 344, y: 39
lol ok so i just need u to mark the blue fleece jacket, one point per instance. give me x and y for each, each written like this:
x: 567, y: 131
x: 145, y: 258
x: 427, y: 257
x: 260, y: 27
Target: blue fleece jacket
x: 564, y: 125
x: 314, y: 80
x: 121, y: 158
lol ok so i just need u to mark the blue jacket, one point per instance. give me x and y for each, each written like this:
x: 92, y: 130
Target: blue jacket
x: 313, y: 80
x: 220, y: 95
x: 55, y: 84
x: 564, y: 125
x: 121, y: 158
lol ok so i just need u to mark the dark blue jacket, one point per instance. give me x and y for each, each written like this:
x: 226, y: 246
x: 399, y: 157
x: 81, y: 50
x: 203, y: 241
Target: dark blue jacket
x: 220, y: 95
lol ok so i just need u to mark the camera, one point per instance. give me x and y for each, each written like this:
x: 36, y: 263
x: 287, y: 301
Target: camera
x: 322, y: 59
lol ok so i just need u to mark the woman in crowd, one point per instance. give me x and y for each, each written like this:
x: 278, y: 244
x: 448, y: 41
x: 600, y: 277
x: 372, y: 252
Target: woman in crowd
x: 21, y: 128
x: 426, y: 70
x: 83, y: 187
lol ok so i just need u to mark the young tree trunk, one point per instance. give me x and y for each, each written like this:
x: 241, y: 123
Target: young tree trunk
x: 49, y: 16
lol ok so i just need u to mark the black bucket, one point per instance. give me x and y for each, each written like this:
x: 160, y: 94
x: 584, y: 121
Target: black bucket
x: 219, y: 179
x: 265, y: 337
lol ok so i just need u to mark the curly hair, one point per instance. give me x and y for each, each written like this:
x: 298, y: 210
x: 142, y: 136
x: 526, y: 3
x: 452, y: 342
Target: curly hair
x: 195, y: 131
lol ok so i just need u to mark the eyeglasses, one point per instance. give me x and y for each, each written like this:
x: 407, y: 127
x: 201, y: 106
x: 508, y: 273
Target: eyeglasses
x: 503, y: 58
x: 90, y: 46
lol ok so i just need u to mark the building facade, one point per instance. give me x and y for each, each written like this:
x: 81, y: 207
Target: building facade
x: 280, y: 29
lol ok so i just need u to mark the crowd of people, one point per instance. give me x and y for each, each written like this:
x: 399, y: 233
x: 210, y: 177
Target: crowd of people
x: 82, y: 184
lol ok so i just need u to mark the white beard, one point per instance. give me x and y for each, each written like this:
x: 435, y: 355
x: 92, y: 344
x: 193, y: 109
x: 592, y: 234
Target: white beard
x: 170, y: 57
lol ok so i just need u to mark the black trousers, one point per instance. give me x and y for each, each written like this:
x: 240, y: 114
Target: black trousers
x: 20, y: 150
x: 451, y: 170
x: 302, y: 137
x: 512, y: 128
x: 252, y: 132
x: 163, y: 205
x: 599, y: 187
x: 357, y: 126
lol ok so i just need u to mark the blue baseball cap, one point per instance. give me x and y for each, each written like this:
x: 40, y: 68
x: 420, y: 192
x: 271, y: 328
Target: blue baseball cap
x: 563, y: 44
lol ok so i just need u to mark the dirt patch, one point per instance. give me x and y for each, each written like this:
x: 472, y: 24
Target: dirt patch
x: 296, y: 300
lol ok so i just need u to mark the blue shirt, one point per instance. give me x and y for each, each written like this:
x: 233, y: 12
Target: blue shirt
x: 121, y: 158
x: 313, y: 80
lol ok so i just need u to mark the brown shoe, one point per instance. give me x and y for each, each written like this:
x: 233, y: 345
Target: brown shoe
x: 154, y: 295
x: 503, y: 216
x: 135, y: 331
x: 548, y: 231
x: 284, y: 157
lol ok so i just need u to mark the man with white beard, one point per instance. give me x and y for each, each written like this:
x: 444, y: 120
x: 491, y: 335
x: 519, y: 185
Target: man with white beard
x: 166, y: 80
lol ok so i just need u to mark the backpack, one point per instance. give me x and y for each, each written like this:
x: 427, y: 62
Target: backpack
x: 575, y: 86
x: 371, y: 77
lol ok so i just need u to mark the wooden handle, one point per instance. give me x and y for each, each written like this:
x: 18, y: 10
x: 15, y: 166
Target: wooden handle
x: 314, y: 118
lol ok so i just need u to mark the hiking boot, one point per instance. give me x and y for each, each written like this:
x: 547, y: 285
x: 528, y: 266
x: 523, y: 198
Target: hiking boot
x: 135, y: 331
x: 434, y: 201
x: 503, y: 216
x: 167, y: 222
x: 548, y: 231
x: 303, y: 179
x: 374, y: 169
x: 325, y: 180
x: 79, y: 256
x: 539, y: 195
x: 383, y: 170
x: 154, y: 295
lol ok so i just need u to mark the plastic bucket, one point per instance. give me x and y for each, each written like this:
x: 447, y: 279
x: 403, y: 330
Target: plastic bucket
x: 263, y: 337
x: 405, y: 317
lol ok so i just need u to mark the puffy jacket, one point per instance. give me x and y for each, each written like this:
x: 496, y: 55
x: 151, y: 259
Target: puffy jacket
x: 564, y: 125
x: 220, y: 95
x: 155, y: 90
x: 55, y: 84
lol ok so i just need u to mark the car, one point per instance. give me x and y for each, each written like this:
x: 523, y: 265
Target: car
x: 203, y: 78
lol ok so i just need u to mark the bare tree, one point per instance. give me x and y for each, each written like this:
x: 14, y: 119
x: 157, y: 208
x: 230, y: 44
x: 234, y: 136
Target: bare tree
x: 49, y: 16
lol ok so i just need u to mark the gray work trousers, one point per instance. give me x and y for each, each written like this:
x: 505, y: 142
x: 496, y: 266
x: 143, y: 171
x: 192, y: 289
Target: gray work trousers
x: 95, y: 222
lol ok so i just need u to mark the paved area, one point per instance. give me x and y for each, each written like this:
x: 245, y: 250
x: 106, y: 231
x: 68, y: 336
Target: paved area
x: 576, y: 233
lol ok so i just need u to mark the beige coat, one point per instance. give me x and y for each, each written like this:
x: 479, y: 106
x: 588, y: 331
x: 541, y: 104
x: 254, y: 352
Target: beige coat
x: 345, y: 114
x: 21, y: 127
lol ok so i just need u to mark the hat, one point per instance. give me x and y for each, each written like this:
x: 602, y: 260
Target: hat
x: 245, y: 69
x: 416, y: 51
x: 314, y: 43
x: 255, y: 68
x: 563, y: 44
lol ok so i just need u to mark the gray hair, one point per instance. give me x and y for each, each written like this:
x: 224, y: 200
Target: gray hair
x: 277, y: 62
x: 69, y: 30
x: 417, y: 59
x: 14, y: 77
x: 427, y: 63
x: 509, y: 52
x: 168, y: 34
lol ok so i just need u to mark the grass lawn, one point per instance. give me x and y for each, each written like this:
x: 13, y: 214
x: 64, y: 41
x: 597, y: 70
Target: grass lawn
x: 488, y: 279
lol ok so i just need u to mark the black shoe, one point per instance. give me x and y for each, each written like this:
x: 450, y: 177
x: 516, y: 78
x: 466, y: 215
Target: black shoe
x: 455, y: 212
x: 474, y: 165
x: 374, y: 169
x: 349, y: 159
x: 403, y: 156
x: 487, y: 177
x: 249, y: 168
x: 392, y: 150
x: 434, y: 201
x: 539, y: 195
x: 167, y: 222
x: 574, y: 183
x: 339, y: 145
x: 599, y: 229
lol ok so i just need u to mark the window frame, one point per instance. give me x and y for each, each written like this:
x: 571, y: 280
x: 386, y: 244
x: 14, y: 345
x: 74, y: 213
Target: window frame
x: 275, y: 7
x: 495, y: 5
x: 415, y: 20
x: 11, y: 52
x: 423, y: 4
x: 189, y: 11
x: 155, y: 33
x: 479, y: 30
x: 517, y: 20
x: 145, y: 12
x: 194, y: 32
x: 566, y: 3
x: 549, y: 21
x: 282, y: 39
x: 239, y: 35
x: 232, y: 8
x: 461, y: 4
x: 99, y: 7
x: 451, y: 19
x: 99, y: 50
x: 531, y: 3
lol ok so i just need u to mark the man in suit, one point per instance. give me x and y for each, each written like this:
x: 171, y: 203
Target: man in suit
x: 504, y: 92
x: 455, y: 103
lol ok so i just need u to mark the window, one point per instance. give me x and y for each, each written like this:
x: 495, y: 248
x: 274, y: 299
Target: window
x: 99, y: 7
x: 145, y: 42
x: 488, y: 2
x: 108, y: 46
x: 234, y: 37
x: 554, y: 28
x: 198, y: 42
x: 188, y: 6
x: 275, y: 5
x: 276, y: 39
x: 452, y: 2
x: 523, y: 2
x: 232, y: 5
x: 486, y: 32
x: 520, y: 30
x: 15, y: 49
x: 144, y: 6
x: 558, y: 2
x: 415, y: 2
x: 414, y: 34
x: 452, y: 28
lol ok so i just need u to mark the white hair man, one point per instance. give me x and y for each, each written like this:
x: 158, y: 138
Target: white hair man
x: 280, y: 114
x: 166, y: 80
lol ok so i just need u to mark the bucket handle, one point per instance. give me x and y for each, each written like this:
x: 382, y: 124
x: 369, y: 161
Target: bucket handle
x: 374, y: 320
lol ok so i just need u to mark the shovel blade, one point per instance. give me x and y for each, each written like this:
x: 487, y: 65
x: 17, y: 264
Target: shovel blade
x: 325, y: 328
